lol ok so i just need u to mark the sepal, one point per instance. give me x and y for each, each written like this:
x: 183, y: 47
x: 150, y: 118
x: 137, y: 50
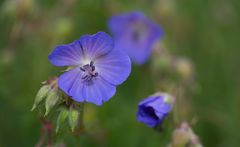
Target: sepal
x: 41, y: 95
x: 62, y: 116
x: 73, y: 118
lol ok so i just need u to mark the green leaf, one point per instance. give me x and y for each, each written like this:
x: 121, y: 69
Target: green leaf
x: 61, y: 118
x: 41, y: 95
x: 52, y: 99
x: 73, y: 118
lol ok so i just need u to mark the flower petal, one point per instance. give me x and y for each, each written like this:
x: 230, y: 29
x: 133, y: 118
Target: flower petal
x: 100, y: 91
x: 66, y: 55
x: 159, y: 105
x: 143, y: 116
x: 97, y: 92
x: 71, y: 83
x: 119, y: 23
x: 96, y: 45
x: 115, y: 67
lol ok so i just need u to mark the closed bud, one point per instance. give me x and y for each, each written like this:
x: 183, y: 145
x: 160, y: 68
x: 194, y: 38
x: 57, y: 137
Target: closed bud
x: 41, y: 95
x: 52, y: 99
x: 184, y: 136
x: 61, y: 118
x: 73, y: 118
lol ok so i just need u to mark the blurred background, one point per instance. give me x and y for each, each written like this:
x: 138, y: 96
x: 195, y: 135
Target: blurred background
x: 204, y: 33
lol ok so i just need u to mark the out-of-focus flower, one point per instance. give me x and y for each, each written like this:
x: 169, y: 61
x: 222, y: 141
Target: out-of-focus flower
x: 17, y: 7
x: 96, y: 68
x: 184, y: 136
x: 153, y: 110
x: 165, y: 8
x: 62, y: 27
x: 135, y: 34
x: 184, y: 68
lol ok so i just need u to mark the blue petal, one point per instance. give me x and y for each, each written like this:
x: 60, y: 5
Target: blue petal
x: 159, y: 106
x: 143, y: 116
x: 96, y: 45
x: 100, y: 91
x: 97, y: 92
x: 157, y: 103
x: 71, y: 83
x: 117, y: 24
x: 66, y: 55
x: 115, y: 67
x: 147, y: 100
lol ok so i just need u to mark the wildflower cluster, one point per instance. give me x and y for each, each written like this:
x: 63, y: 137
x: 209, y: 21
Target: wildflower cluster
x: 97, y: 64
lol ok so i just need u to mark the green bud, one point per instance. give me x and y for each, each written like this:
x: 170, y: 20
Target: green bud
x: 61, y: 118
x: 41, y: 95
x: 73, y: 118
x: 52, y: 99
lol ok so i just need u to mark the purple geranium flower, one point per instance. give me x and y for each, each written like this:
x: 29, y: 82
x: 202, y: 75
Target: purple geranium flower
x: 96, y: 68
x: 153, y: 110
x: 135, y: 34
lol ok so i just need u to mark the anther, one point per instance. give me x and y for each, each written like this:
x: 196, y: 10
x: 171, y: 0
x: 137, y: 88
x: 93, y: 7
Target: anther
x: 89, y: 71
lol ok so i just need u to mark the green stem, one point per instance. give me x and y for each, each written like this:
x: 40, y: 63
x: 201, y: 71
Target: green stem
x: 81, y: 113
x: 80, y: 126
x: 176, y: 112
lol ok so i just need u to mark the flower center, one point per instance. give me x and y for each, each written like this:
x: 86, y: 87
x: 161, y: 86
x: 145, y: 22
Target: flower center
x: 136, y: 35
x: 89, y: 71
x: 138, y: 32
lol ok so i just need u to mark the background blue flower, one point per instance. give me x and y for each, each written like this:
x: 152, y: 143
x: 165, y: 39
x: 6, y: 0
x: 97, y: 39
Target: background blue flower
x: 153, y: 110
x: 135, y: 34
x: 97, y: 68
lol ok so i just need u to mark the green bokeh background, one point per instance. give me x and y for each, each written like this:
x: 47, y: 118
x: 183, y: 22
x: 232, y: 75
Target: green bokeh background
x: 205, y: 31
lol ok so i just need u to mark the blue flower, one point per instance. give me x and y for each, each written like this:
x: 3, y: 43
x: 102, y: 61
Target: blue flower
x: 96, y: 68
x: 135, y: 34
x: 153, y: 110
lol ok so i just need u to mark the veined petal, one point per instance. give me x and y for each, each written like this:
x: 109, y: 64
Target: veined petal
x: 99, y: 91
x: 115, y: 67
x: 66, y: 55
x: 96, y: 45
x: 71, y: 83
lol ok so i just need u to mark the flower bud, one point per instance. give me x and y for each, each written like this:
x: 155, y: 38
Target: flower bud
x: 52, y: 99
x: 61, y: 118
x: 154, y: 109
x: 184, y: 136
x: 41, y: 95
x: 50, y: 92
x: 73, y: 119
